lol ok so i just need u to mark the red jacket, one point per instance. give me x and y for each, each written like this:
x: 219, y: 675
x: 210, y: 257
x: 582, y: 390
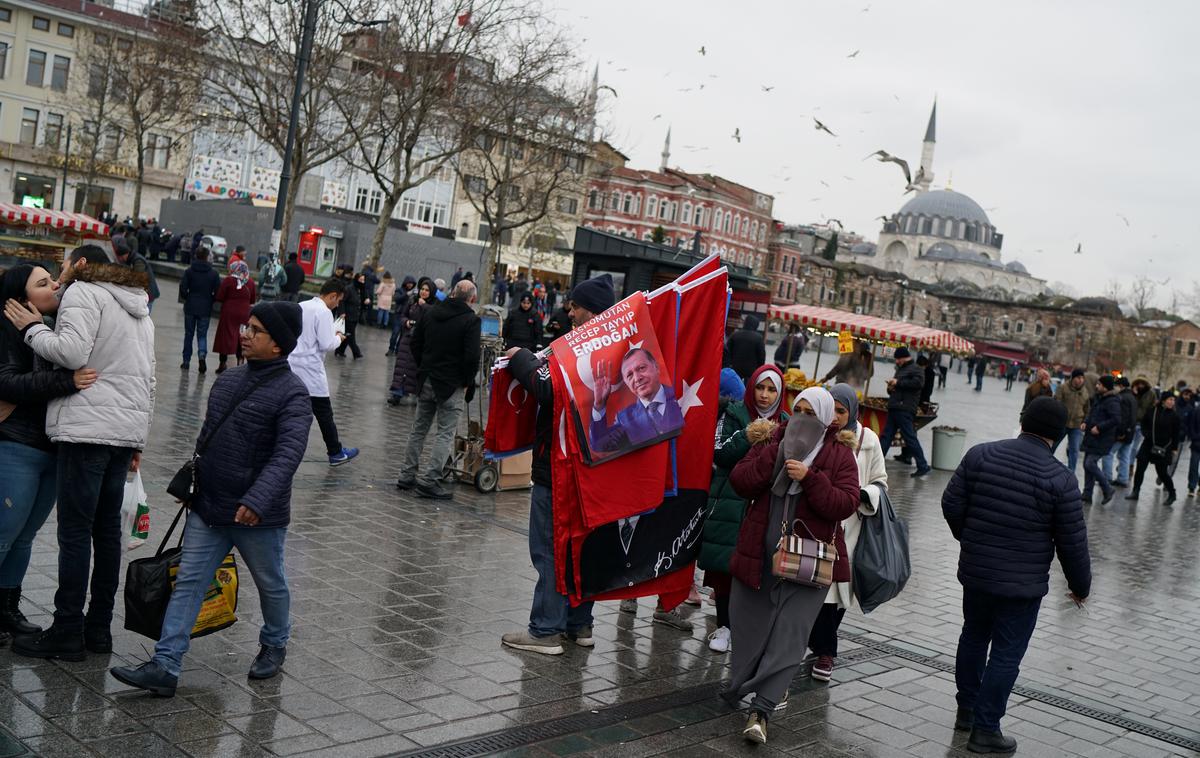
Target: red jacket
x: 830, y: 495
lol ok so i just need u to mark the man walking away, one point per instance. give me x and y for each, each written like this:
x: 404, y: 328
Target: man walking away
x: 271, y: 280
x: 317, y: 337
x: 552, y: 619
x: 127, y: 255
x: 445, y: 345
x: 791, y: 348
x: 904, y: 390
x: 1123, y: 451
x: 1099, y: 434
x: 198, y: 291
x: 103, y: 323
x: 1075, y: 398
x: 747, y: 351
x: 244, y: 496
x: 295, y: 279
x: 1011, y: 506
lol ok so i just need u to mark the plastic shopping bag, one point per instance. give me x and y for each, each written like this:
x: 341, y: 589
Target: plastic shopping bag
x: 135, y: 514
x: 881, y: 563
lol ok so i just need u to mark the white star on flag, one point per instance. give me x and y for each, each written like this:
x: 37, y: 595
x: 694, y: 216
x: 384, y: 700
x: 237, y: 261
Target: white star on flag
x: 691, y: 396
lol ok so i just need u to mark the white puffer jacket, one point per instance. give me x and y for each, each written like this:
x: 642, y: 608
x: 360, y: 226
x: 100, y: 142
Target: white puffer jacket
x: 104, y: 324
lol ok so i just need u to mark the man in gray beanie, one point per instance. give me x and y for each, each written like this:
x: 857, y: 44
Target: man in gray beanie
x: 552, y: 619
x: 253, y: 439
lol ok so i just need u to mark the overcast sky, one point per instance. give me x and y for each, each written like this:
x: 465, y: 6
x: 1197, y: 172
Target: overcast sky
x: 1055, y: 117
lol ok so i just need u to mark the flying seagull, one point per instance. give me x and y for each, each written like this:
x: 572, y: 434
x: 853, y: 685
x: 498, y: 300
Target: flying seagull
x: 1079, y: 249
x: 884, y: 219
x: 854, y: 54
x: 821, y: 127
x: 885, y: 157
x: 916, y: 182
x: 702, y: 51
x: 822, y: 181
x: 657, y: 116
x: 1123, y: 219
x: 610, y: 89
x: 834, y: 221
x: 737, y: 135
x: 766, y: 88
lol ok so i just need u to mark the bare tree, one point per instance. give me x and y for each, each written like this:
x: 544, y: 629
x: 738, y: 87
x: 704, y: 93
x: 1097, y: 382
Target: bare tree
x: 252, y: 75
x: 412, y: 81
x: 1114, y: 291
x: 533, y: 133
x: 1141, y: 293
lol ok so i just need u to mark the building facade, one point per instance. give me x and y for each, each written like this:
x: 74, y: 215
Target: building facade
x: 733, y: 220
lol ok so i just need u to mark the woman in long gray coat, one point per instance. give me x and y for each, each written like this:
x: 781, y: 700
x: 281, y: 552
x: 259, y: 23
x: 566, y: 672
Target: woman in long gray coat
x: 804, y: 474
x: 404, y: 373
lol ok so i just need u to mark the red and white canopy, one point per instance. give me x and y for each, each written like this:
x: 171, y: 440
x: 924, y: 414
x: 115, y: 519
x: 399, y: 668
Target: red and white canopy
x: 77, y: 222
x: 874, y: 329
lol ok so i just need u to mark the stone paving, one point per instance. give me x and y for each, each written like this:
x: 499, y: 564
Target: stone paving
x: 399, y: 603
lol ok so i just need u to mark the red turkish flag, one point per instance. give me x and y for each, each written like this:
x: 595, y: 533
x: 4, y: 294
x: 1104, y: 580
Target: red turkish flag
x: 464, y: 18
x: 702, y: 311
x: 704, y: 267
x: 512, y: 415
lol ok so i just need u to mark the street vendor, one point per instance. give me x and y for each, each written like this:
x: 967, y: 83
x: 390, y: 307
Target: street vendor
x: 854, y: 368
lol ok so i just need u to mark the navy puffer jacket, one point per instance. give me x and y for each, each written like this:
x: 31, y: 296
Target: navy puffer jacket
x: 1105, y: 415
x: 1012, y: 506
x: 253, y: 457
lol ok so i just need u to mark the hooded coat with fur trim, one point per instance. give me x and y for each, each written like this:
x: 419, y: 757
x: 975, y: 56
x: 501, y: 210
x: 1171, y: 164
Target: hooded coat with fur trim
x: 104, y: 324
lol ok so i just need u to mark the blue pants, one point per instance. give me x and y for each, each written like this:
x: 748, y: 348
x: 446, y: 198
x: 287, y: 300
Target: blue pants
x: 27, y: 490
x: 382, y: 315
x: 902, y: 421
x: 551, y: 612
x: 197, y: 325
x: 984, y: 682
x: 1074, y: 439
x: 204, y: 548
x: 1093, y: 475
x: 1121, y: 454
x: 979, y: 380
x: 1193, y: 468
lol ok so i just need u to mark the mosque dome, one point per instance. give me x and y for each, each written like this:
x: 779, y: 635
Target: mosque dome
x: 1016, y: 267
x: 945, y: 204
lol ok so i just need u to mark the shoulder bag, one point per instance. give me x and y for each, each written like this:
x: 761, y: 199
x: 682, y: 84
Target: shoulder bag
x: 804, y: 560
x: 1157, y: 452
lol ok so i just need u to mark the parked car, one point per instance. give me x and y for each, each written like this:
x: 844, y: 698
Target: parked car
x: 219, y: 248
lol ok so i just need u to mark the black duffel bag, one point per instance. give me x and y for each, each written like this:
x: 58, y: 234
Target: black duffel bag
x: 881, y: 565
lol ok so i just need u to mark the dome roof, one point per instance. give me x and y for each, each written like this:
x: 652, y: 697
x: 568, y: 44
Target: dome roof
x: 1016, y: 267
x: 948, y: 252
x: 946, y: 204
x: 862, y: 248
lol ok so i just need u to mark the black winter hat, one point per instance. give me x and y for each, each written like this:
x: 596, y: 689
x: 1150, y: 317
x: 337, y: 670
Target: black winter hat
x: 1045, y: 417
x: 1107, y: 382
x: 1078, y: 372
x: 596, y: 294
x: 903, y: 352
x: 1121, y: 381
x: 284, y: 322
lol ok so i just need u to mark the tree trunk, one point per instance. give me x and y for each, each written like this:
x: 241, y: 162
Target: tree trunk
x: 137, y: 187
x: 381, y: 227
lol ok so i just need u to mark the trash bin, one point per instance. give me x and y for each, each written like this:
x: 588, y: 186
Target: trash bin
x: 948, y: 444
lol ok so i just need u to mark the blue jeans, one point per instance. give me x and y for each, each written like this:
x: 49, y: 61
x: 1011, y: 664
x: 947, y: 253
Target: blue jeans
x: 1193, y: 467
x: 1121, y: 454
x: 1129, y: 454
x: 382, y: 315
x: 1093, y: 475
x: 902, y: 421
x: 551, y: 612
x: 27, y: 488
x: 984, y: 682
x: 91, y: 481
x: 1074, y: 439
x: 979, y: 380
x: 197, y: 325
x: 204, y: 547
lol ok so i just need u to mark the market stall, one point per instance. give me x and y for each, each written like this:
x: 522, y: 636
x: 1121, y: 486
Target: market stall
x: 39, y: 234
x: 877, y: 332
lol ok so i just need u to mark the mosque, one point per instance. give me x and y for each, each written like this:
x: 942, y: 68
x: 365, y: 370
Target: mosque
x: 944, y: 237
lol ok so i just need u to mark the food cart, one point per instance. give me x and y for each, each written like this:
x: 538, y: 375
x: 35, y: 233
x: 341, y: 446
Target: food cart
x: 878, y: 332
x: 43, y: 235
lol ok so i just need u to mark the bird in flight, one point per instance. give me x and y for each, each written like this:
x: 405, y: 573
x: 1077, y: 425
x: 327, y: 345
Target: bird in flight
x: 884, y: 156
x: 702, y: 51
x: 822, y: 181
x: 737, y: 135
x: 884, y: 219
x: 1122, y: 217
x: 766, y: 88
x: 916, y: 182
x: 610, y: 89
x: 821, y: 127
x: 1079, y: 249
x: 834, y: 221
x: 657, y: 116
x: 854, y: 54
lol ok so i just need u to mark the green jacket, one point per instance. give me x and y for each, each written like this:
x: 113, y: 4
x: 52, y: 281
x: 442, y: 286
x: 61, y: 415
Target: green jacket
x: 1145, y: 402
x: 725, y: 507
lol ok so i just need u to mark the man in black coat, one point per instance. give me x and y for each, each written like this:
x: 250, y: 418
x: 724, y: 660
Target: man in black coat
x: 253, y: 439
x: 747, y: 350
x: 198, y: 291
x: 445, y: 345
x: 1011, y: 505
x: 1099, y: 434
x: 904, y: 390
x: 551, y: 615
x: 295, y: 279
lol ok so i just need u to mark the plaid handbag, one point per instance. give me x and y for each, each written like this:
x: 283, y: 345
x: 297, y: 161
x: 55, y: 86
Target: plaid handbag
x: 804, y: 560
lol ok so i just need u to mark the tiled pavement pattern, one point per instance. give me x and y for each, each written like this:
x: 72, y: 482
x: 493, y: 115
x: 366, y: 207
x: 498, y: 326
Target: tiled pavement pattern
x: 398, y: 605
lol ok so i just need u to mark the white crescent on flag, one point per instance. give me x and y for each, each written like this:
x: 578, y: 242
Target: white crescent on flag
x: 514, y: 383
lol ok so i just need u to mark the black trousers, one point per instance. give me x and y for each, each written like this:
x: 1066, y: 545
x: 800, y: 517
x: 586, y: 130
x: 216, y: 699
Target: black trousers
x: 323, y: 410
x: 1162, y: 468
x: 350, y: 341
x: 822, y: 640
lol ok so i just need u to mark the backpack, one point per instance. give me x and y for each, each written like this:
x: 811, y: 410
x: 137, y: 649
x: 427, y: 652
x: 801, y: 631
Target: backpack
x: 270, y: 283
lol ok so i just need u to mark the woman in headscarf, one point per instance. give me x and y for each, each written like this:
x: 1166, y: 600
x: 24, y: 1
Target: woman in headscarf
x: 741, y: 421
x: 236, y: 296
x: 523, y: 327
x: 872, y: 483
x: 803, y: 475
x: 28, y: 464
x: 404, y: 372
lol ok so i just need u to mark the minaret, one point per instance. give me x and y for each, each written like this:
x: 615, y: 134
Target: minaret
x: 926, y: 169
x: 666, y: 153
x: 592, y: 98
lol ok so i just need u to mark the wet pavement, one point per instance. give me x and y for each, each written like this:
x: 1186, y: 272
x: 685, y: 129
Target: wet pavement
x: 399, y: 603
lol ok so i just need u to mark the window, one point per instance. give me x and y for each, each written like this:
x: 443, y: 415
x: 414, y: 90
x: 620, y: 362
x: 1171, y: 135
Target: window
x: 41, y: 24
x: 110, y: 144
x: 475, y: 185
x: 93, y: 200
x: 651, y: 207
x: 3, y: 59
x: 66, y: 30
x: 745, y: 227
x: 1020, y: 327
x: 439, y: 215
x: 408, y: 207
x: 29, y: 126
x: 97, y: 81
x: 1004, y: 326
x: 35, y: 73
x: 1037, y: 329
x: 360, y: 199
x: 687, y: 213
x: 54, y: 125
x: 627, y: 203
x: 60, y: 73
x: 424, y: 211
x: 754, y: 231
x: 1192, y: 349
x: 1178, y: 347
x: 5, y: 15
x: 1052, y: 332
x: 664, y: 209
x: 574, y: 162
x: 728, y: 221
x: 376, y: 202
x: 568, y: 205
x: 593, y: 200
x: 34, y: 191
x: 614, y: 201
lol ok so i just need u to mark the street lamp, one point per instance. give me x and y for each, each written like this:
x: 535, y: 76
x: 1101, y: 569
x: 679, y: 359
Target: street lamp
x: 285, y: 176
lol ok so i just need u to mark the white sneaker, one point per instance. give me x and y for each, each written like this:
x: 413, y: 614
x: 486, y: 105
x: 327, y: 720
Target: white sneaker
x: 719, y: 641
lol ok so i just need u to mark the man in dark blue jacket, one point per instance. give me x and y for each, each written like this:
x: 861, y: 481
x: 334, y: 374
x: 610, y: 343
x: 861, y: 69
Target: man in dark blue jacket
x: 1011, y: 505
x: 904, y: 390
x: 1100, y: 430
x: 198, y: 291
x: 254, y: 438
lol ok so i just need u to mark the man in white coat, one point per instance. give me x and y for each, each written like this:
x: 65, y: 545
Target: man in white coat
x: 103, y: 323
x: 317, y: 338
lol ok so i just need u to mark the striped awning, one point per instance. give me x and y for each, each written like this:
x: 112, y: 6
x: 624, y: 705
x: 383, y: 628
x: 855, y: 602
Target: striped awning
x: 881, y: 330
x: 77, y: 222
